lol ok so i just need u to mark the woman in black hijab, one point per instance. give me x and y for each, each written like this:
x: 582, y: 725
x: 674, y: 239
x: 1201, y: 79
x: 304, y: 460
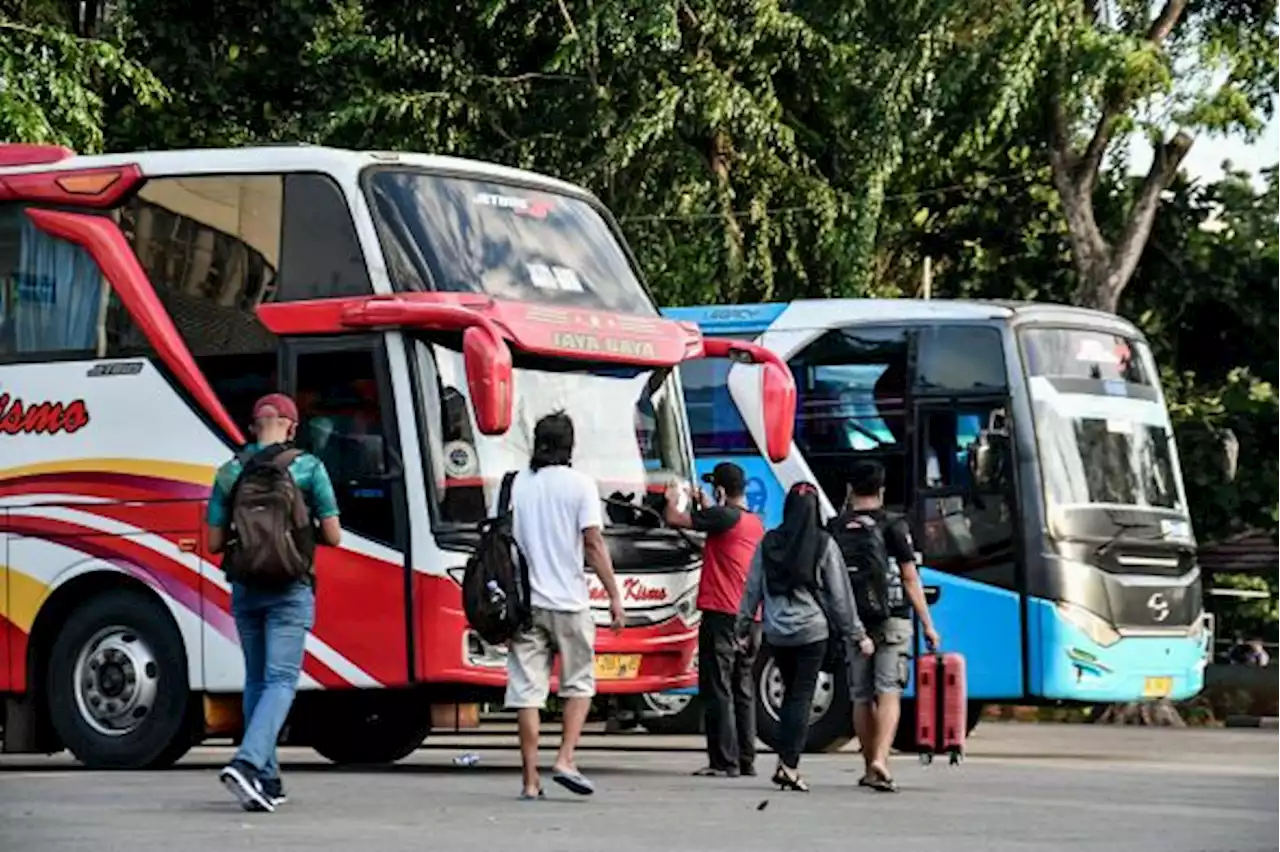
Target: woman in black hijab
x: 799, y: 576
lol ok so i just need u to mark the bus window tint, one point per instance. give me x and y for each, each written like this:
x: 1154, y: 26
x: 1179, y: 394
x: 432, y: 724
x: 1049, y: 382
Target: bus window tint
x: 852, y: 390
x: 716, y: 425
x: 211, y: 249
x: 475, y: 236
x: 959, y: 358
x: 1098, y: 356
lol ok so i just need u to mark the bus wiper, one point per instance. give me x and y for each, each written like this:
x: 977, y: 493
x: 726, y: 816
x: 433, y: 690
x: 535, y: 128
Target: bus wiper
x: 1121, y: 527
x: 622, y: 503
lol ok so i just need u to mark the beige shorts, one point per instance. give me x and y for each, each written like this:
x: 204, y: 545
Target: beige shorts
x: 571, y: 636
x: 885, y: 671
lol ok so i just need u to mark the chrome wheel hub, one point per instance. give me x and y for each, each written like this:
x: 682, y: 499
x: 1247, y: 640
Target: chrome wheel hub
x: 117, y: 679
x: 772, y: 691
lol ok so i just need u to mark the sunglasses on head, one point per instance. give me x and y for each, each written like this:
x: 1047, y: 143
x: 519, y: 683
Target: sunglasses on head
x: 805, y: 488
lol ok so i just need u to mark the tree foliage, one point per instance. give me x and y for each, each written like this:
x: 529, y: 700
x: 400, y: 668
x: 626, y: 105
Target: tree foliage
x: 55, y: 79
x: 1168, y: 71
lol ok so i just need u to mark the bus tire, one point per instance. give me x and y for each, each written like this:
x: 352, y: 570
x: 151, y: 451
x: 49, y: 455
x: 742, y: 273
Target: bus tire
x: 370, y: 731
x: 831, y: 722
x: 685, y: 720
x: 117, y: 686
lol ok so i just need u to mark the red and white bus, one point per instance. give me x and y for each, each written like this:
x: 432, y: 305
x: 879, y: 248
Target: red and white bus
x: 424, y: 311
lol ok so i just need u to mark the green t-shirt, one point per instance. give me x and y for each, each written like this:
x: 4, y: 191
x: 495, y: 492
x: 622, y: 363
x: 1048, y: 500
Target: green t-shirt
x: 307, y: 471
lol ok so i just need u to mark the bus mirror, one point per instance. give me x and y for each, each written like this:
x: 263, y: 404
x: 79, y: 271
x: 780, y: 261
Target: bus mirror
x: 982, y: 460
x: 779, y: 396
x: 488, y: 365
x: 1230, y: 445
x: 998, y: 422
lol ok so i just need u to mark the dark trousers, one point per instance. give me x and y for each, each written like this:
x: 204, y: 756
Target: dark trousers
x: 726, y: 690
x: 799, y: 666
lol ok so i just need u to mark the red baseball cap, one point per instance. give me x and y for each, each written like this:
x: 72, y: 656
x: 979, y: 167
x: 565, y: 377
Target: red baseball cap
x: 283, y: 405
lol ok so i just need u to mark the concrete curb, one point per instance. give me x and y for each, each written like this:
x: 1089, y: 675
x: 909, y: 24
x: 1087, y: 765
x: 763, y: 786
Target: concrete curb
x: 1271, y: 722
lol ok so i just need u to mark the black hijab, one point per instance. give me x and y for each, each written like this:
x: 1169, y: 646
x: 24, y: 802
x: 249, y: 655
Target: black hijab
x: 791, y: 551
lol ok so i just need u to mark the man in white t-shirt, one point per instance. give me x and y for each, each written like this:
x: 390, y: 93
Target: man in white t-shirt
x: 557, y: 525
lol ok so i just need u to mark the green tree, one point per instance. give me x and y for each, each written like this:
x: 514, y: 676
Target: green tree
x: 746, y: 146
x: 57, y: 69
x: 1170, y: 72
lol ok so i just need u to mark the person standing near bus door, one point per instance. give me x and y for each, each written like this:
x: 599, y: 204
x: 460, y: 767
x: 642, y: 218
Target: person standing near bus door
x: 869, y: 538
x: 272, y: 618
x: 557, y: 525
x: 725, y: 683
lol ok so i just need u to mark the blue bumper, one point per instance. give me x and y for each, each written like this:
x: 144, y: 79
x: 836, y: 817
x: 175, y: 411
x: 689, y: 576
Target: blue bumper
x: 1072, y: 667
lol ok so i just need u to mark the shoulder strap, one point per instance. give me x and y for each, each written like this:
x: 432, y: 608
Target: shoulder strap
x: 504, y: 493
x: 284, y: 457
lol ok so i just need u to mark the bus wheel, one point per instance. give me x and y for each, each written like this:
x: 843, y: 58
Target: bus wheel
x: 119, y: 697
x: 370, y: 731
x: 830, y: 717
x: 671, y: 715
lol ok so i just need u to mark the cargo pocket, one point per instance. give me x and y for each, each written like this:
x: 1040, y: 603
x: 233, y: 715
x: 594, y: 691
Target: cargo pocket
x: 904, y: 669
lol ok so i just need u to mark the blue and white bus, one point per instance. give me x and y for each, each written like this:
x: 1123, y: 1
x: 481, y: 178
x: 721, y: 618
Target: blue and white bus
x: 1030, y: 447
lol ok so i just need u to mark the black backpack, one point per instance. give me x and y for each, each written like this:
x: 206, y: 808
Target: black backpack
x: 876, y: 580
x: 495, y: 584
x: 271, y: 541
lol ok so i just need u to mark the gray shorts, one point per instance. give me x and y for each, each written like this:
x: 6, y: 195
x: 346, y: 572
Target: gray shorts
x: 885, y: 671
x: 571, y: 636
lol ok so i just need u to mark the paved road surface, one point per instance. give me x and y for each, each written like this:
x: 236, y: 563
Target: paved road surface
x: 1025, y: 787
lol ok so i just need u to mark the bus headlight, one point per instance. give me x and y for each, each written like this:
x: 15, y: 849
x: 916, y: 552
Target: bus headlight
x: 1091, y: 624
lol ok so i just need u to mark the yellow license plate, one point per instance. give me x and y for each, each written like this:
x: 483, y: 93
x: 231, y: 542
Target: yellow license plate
x: 617, y: 666
x: 1157, y: 687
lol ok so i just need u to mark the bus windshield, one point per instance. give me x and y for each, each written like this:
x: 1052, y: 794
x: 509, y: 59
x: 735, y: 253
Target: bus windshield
x: 470, y: 235
x: 1104, y: 435
x: 628, y: 456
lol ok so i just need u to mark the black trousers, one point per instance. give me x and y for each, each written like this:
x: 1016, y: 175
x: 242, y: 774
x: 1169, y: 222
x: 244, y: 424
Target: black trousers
x: 727, y: 691
x: 799, y: 666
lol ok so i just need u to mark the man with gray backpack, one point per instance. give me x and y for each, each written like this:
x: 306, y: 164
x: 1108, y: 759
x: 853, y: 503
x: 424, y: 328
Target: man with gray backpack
x: 881, y: 560
x: 264, y: 511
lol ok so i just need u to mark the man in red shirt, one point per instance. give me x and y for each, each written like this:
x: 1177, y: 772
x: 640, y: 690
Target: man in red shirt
x: 725, y: 684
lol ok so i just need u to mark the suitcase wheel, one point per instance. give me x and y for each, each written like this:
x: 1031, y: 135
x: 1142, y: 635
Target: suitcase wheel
x: 926, y: 758
x: 956, y: 757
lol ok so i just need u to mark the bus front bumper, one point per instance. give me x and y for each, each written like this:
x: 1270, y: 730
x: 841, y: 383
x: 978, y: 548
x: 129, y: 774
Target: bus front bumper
x: 1072, y: 666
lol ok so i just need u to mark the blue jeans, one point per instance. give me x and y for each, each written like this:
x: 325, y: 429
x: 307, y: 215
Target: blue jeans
x: 273, y: 631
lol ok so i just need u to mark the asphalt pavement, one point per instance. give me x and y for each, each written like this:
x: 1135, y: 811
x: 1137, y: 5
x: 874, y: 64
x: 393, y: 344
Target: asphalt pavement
x: 1023, y: 787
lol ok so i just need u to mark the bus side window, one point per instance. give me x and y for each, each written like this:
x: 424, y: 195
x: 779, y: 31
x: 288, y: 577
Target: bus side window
x: 714, y: 420
x: 959, y: 358
x: 852, y: 406
x: 210, y: 246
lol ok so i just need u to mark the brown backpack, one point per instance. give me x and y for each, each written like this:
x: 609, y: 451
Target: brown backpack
x: 271, y: 541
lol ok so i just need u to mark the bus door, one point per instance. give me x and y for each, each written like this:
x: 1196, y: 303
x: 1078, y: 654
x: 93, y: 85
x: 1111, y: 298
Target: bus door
x: 345, y: 402
x: 965, y: 520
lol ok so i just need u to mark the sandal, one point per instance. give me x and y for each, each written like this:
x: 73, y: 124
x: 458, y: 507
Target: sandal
x: 880, y: 781
x: 788, y: 781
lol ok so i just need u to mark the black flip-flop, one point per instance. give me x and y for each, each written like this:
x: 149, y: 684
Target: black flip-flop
x: 525, y: 797
x: 574, y: 782
x: 883, y: 784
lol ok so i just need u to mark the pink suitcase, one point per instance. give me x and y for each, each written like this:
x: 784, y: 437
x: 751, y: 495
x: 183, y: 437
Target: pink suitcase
x: 941, y: 706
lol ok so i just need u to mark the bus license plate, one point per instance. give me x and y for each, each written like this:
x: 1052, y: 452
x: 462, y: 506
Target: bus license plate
x: 617, y: 666
x: 1157, y: 687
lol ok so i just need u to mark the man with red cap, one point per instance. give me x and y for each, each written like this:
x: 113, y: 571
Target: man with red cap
x: 263, y: 513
